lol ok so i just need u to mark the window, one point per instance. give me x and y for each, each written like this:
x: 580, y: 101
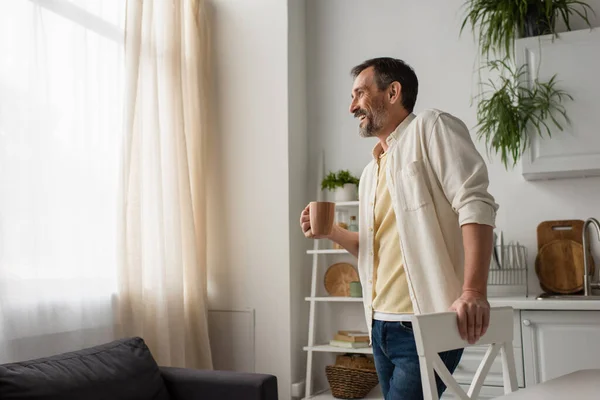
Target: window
x: 61, y: 80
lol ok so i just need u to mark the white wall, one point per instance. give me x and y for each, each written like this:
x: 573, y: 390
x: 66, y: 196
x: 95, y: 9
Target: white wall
x: 343, y: 33
x: 264, y: 51
x: 249, y: 260
x: 298, y: 176
x: 259, y: 173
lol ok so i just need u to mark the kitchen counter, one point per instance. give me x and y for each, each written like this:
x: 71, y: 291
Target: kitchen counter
x: 531, y: 303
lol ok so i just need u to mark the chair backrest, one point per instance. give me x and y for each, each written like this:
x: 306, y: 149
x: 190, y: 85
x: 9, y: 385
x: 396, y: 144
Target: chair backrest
x: 435, y: 333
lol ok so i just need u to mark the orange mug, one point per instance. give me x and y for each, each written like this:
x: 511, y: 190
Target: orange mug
x: 322, y: 216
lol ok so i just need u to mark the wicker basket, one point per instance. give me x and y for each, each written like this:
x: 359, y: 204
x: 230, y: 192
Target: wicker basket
x: 357, y: 361
x: 350, y: 383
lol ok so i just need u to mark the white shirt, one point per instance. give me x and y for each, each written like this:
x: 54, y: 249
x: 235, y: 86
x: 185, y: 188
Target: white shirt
x: 438, y: 182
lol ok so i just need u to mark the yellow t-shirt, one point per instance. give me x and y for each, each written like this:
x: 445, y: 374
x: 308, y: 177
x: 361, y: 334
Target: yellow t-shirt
x: 390, y: 288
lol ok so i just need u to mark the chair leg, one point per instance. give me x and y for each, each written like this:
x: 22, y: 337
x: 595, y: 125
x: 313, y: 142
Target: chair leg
x: 446, y: 377
x: 428, y: 379
x: 509, y: 371
x: 483, y: 370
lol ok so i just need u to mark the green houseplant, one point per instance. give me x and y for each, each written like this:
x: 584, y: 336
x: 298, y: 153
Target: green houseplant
x: 509, y: 111
x: 343, y: 184
x: 500, y: 22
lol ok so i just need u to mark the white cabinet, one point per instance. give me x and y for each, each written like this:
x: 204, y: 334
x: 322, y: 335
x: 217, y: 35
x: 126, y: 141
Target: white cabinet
x: 575, y: 58
x: 556, y: 343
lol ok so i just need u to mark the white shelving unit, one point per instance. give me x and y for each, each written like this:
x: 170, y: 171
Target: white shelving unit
x: 325, y: 348
x: 327, y: 251
x: 326, y: 395
x: 314, y: 299
x: 335, y: 299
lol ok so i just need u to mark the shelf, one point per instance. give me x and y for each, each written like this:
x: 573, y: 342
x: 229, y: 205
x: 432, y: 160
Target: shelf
x: 336, y: 299
x: 325, y: 348
x: 327, y: 251
x: 347, y: 204
x: 375, y: 394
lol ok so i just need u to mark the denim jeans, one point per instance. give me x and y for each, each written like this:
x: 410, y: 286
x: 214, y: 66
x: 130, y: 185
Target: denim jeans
x: 397, y: 362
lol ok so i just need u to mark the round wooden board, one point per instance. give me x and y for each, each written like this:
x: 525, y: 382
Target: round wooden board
x: 338, y: 278
x: 559, y: 266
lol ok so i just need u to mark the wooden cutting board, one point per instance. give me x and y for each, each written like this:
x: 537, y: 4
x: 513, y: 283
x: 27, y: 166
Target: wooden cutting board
x: 568, y: 229
x: 338, y: 278
x: 548, y: 231
x: 559, y: 266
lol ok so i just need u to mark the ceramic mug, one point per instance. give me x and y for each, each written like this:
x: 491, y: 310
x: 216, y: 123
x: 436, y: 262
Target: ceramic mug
x: 322, y: 216
x: 355, y: 289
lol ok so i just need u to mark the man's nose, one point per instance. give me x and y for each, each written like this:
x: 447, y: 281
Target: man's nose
x: 353, y: 107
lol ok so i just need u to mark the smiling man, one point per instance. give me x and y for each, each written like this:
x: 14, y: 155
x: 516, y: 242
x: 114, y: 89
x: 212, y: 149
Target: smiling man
x: 425, y: 223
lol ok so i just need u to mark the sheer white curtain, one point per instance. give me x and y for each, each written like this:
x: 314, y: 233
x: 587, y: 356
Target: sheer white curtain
x: 162, y: 285
x: 61, y: 80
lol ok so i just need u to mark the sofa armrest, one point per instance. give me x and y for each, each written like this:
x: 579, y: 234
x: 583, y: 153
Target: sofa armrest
x: 193, y: 384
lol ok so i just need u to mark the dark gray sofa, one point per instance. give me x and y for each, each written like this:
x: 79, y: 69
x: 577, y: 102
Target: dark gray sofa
x: 125, y: 370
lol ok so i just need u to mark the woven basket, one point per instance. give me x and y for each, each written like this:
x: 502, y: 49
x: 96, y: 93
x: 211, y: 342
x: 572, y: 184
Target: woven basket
x: 356, y: 361
x: 350, y: 383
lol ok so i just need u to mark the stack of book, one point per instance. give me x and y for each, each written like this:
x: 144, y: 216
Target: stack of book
x: 350, y: 340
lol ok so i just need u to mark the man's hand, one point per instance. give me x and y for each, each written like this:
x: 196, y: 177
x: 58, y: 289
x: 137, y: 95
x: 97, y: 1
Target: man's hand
x: 473, y: 315
x: 305, y: 225
x: 348, y: 240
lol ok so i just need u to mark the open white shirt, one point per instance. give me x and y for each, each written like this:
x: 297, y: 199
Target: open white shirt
x: 438, y: 182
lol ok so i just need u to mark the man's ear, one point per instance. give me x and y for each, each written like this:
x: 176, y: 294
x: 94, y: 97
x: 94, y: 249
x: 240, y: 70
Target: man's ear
x: 394, y: 92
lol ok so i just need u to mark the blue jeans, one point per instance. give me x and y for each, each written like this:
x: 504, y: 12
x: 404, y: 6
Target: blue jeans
x: 397, y: 362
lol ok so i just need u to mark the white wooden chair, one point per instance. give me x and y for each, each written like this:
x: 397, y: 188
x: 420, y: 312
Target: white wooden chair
x: 438, y: 332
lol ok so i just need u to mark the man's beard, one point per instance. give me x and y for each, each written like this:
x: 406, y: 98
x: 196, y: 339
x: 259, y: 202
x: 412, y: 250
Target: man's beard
x: 374, y: 120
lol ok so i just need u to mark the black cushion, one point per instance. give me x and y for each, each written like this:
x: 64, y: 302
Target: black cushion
x: 120, y: 370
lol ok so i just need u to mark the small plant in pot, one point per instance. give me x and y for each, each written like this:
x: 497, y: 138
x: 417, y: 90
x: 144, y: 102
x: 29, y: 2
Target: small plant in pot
x: 343, y: 184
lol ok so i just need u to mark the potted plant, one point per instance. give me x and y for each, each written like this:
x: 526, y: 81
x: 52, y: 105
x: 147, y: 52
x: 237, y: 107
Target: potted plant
x: 343, y: 184
x: 509, y: 108
x: 540, y: 17
x: 500, y: 22
x: 510, y: 111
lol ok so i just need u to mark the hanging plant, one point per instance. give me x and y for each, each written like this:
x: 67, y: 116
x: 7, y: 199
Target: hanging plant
x: 500, y: 22
x: 509, y: 111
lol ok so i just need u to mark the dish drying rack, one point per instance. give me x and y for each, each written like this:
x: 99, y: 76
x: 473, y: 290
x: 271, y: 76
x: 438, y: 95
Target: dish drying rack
x: 508, y: 267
